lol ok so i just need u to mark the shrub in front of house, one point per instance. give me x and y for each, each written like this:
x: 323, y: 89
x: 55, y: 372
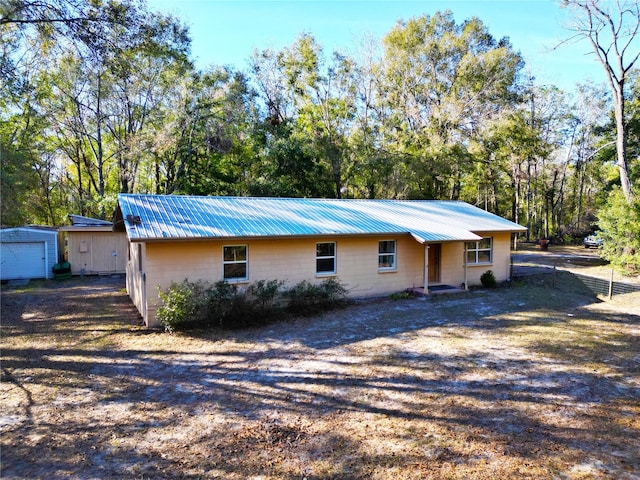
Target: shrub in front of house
x: 188, y: 305
x: 260, y: 303
x: 488, y: 279
x: 306, y: 298
x: 184, y: 305
x: 223, y: 299
x: 266, y: 294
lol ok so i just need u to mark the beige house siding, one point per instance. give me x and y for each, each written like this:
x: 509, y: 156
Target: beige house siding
x: 136, y: 278
x: 452, y: 264
x: 164, y: 263
x: 294, y: 260
x: 501, y: 261
x: 96, y: 252
x: 290, y: 260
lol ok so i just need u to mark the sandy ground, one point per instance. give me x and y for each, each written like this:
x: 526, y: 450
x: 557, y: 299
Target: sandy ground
x: 530, y: 381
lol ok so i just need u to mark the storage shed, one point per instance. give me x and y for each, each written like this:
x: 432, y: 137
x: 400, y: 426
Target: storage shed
x: 28, y: 252
x: 93, y: 248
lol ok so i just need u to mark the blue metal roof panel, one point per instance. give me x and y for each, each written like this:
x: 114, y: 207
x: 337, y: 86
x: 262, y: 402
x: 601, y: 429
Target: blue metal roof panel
x: 186, y: 217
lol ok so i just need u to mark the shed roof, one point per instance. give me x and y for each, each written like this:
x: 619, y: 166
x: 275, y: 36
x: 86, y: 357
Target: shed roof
x: 167, y: 217
x: 29, y: 233
x: 80, y: 223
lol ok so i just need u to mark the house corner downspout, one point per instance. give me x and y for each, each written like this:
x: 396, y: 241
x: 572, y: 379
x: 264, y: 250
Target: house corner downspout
x: 426, y: 269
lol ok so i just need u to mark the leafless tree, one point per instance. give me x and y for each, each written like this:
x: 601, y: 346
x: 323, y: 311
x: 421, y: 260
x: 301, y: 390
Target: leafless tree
x: 612, y: 29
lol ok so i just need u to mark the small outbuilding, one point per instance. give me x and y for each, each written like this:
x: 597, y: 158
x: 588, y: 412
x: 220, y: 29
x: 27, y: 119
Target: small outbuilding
x: 28, y: 252
x: 93, y: 248
x: 373, y: 247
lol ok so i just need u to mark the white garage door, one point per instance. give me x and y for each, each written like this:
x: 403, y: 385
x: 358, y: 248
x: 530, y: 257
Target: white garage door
x: 22, y: 260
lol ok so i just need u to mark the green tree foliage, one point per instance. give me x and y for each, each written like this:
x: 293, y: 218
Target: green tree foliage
x: 16, y: 183
x: 287, y: 166
x: 619, y: 220
x: 310, y: 108
x: 633, y: 127
x: 443, y: 82
x: 24, y: 153
x: 620, y: 229
x: 101, y: 97
x: 101, y: 71
x: 214, y: 155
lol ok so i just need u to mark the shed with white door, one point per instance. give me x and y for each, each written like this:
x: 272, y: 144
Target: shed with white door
x: 93, y: 248
x: 28, y: 252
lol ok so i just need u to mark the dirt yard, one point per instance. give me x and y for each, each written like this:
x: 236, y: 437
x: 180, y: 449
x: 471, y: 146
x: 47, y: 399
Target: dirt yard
x: 569, y: 258
x: 527, y: 381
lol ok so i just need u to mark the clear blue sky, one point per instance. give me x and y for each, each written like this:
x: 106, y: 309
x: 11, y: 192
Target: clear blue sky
x: 226, y: 32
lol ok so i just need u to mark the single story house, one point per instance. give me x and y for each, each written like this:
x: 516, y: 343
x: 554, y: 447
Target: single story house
x: 93, y: 248
x: 373, y: 247
x: 28, y: 252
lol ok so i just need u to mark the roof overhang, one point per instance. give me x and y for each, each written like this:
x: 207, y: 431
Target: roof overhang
x: 92, y: 228
x: 418, y: 237
x: 424, y: 239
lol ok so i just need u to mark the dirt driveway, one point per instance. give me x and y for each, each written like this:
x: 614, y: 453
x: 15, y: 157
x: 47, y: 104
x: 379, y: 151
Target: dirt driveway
x: 586, y: 261
x: 521, y: 382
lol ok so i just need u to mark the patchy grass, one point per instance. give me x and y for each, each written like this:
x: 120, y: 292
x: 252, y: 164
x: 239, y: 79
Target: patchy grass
x: 540, y: 380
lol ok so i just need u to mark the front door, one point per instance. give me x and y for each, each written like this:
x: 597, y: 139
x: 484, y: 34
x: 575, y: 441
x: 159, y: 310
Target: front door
x: 434, y: 263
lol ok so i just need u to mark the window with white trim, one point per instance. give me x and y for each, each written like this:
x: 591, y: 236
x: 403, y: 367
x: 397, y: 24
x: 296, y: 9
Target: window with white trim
x: 235, y: 262
x: 387, y: 255
x: 480, y: 252
x: 325, y: 258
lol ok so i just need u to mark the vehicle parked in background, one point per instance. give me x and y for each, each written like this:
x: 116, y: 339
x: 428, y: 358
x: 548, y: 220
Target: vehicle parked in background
x: 592, y: 241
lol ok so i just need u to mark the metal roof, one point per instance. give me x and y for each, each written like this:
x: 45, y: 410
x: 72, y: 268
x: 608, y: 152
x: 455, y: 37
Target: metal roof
x: 86, y: 224
x: 81, y: 221
x: 165, y: 217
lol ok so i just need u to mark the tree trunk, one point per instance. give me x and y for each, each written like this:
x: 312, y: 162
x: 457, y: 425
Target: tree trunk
x: 621, y: 145
x: 611, y: 28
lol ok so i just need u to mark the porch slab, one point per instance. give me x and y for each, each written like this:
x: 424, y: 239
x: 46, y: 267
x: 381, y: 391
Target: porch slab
x: 437, y: 290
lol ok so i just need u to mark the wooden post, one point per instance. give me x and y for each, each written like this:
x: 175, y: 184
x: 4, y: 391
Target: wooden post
x: 426, y: 269
x: 464, y: 263
x: 611, y: 285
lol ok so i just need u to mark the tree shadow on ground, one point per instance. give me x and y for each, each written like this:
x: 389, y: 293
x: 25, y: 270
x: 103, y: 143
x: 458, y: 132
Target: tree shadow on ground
x: 284, y: 404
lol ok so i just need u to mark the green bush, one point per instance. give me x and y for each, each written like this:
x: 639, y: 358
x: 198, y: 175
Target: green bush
x: 400, y: 295
x: 306, y: 298
x: 259, y: 304
x: 488, y: 279
x: 223, y: 298
x: 619, y: 223
x: 185, y: 305
x: 188, y: 305
x: 404, y: 295
x: 266, y: 294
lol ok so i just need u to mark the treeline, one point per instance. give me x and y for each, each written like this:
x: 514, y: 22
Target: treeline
x: 111, y: 102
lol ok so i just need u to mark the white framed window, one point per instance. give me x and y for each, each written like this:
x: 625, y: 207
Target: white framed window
x: 387, y: 255
x: 325, y: 258
x: 235, y: 262
x: 480, y: 252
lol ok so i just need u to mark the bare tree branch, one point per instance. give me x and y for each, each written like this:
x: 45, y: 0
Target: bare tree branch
x: 617, y: 55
